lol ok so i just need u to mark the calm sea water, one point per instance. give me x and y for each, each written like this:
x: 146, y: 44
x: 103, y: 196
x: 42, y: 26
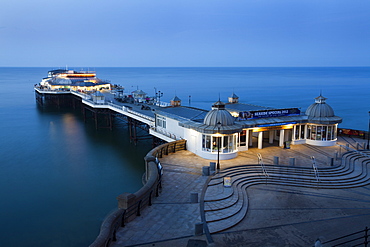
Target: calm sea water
x: 59, y: 177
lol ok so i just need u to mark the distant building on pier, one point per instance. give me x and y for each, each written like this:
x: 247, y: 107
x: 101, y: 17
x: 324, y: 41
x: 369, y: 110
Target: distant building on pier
x: 63, y: 79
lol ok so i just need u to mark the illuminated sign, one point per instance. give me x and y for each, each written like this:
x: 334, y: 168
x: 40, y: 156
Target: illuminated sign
x: 275, y: 124
x: 245, y: 115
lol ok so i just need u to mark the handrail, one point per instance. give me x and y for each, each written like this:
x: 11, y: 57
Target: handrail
x: 365, y: 237
x: 316, y: 172
x: 359, y: 152
x: 260, y: 161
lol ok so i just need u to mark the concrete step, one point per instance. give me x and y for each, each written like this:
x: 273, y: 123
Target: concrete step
x: 226, y: 207
x: 230, y: 217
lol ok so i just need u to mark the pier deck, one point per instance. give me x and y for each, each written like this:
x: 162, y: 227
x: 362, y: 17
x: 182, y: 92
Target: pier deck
x: 131, y: 110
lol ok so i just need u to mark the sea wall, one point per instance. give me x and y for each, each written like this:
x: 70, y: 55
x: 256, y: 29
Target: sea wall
x: 131, y: 205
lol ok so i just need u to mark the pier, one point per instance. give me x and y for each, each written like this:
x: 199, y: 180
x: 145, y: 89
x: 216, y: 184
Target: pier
x: 102, y: 112
x: 259, y: 194
x: 223, y: 131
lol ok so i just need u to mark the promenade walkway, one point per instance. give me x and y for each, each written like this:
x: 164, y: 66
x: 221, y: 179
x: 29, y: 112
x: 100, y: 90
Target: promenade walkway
x: 277, y: 215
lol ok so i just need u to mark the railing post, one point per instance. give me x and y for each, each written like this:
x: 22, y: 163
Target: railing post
x: 366, y: 236
x: 157, y: 189
x: 138, y: 208
x: 150, y: 198
x: 114, y: 238
x: 123, y: 219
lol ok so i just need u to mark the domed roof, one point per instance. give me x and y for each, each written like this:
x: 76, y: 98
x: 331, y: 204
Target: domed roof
x: 320, y: 109
x: 218, y: 114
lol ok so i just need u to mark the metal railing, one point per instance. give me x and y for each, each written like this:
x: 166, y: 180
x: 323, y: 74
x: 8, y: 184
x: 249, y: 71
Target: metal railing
x: 260, y: 161
x: 359, y: 238
x: 354, y: 150
x: 315, y: 170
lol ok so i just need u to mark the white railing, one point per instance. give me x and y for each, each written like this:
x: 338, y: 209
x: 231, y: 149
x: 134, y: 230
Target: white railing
x: 140, y: 115
x: 162, y: 104
x: 121, y: 108
x: 166, y: 133
x: 48, y: 90
x: 82, y: 95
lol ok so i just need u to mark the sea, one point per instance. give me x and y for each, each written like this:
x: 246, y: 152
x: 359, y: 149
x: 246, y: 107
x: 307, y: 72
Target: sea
x: 59, y: 176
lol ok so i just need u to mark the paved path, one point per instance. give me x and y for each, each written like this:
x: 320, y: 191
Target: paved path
x: 277, y: 215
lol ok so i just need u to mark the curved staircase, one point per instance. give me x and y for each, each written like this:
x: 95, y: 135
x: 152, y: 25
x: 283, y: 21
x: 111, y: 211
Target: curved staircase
x: 226, y: 207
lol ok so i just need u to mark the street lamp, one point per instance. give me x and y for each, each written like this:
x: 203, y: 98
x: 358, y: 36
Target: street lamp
x: 218, y: 145
x: 159, y: 95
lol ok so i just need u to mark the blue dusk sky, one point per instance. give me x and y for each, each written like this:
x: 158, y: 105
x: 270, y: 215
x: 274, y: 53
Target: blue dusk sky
x: 188, y: 33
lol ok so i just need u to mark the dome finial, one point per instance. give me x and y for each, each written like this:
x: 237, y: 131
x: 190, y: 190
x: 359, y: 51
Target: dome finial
x: 321, y: 99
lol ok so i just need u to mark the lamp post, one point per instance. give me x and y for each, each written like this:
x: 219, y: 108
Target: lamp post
x: 159, y: 95
x: 218, y: 146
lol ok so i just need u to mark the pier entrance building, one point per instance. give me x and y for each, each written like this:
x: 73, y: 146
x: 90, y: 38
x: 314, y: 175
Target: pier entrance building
x: 231, y: 127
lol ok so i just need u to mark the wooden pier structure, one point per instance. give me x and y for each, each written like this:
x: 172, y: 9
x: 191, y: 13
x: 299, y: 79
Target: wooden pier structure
x: 140, y: 122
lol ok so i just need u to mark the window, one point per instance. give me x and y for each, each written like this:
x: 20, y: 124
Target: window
x: 302, y: 131
x: 299, y: 132
x: 206, y: 144
x: 216, y: 142
x: 296, y: 133
x: 321, y: 132
x: 226, y: 143
x: 161, y: 121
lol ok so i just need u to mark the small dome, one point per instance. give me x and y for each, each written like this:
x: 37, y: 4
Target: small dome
x: 319, y: 108
x: 218, y: 114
